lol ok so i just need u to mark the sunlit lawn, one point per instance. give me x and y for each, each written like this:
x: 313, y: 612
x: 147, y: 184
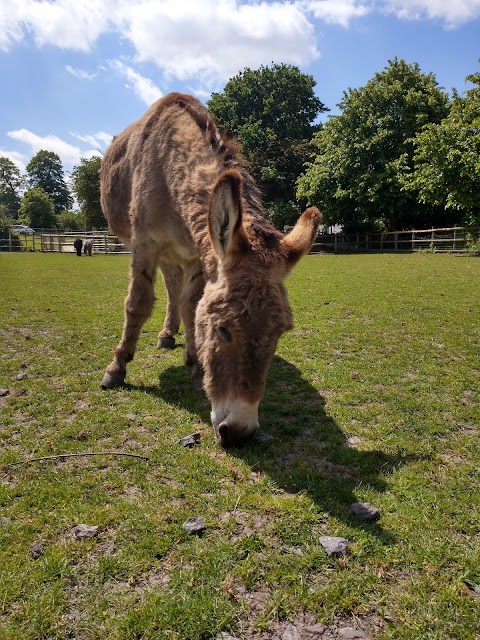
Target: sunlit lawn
x: 374, y: 396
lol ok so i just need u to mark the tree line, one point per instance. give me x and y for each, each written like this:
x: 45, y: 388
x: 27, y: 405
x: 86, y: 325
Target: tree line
x: 401, y: 154
x: 42, y: 198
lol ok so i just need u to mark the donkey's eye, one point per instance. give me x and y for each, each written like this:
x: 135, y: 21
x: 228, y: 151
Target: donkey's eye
x: 224, y: 334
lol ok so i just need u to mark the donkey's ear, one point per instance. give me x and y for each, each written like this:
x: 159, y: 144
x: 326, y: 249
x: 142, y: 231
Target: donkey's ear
x: 300, y: 239
x: 225, y: 217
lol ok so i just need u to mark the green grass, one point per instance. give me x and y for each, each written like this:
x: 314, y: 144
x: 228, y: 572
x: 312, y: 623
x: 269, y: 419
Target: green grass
x: 374, y: 396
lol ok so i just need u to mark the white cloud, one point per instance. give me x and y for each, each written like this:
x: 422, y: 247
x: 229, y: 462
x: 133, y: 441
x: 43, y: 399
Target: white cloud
x: 336, y: 11
x: 215, y: 39
x: 67, y: 24
x: 144, y: 88
x: 208, y: 40
x: 69, y: 154
x: 80, y: 73
x: 19, y: 159
x: 452, y: 12
x: 97, y: 140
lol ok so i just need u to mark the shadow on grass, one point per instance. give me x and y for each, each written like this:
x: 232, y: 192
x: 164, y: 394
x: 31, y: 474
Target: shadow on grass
x: 309, y: 453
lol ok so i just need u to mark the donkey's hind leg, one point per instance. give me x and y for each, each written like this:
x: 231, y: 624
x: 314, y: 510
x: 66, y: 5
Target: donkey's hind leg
x: 138, y: 307
x: 173, y: 280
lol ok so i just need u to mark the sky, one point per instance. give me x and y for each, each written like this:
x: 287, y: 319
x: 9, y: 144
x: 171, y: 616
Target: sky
x: 73, y: 73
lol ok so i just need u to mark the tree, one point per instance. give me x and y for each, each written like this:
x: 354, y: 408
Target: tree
x: 71, y: 221
x: 364, y: 153
x: 45, y: 171
x: 271, y: 111
x: 37, y: 209
x: 447, y: 158
x: 11, y: 184
x: 86, y: 186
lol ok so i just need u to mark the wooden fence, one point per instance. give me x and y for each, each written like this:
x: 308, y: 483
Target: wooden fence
x: 451, y: 240
x: 62, y: 242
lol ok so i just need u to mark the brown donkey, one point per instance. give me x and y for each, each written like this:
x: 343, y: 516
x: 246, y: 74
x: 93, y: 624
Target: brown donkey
x: 178, y: 194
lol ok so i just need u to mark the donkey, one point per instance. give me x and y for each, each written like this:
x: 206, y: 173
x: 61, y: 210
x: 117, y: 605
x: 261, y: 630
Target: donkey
x: 179, y: 194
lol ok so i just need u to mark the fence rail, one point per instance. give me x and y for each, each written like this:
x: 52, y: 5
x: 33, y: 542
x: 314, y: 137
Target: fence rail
x: 62, y: 242
x: 450, y: 239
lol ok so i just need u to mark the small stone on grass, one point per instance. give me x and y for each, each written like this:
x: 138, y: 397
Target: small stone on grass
x: 365, y: 511
x: 191, y: 440
x: 350, y: 633
x: 263, y: 437
x: 4, y: 392
x: 21, y: 376
x: 83, y: 531
x: 194, y: 525
x: 36, y: 550
x: 334, y: 546
x: 291, y: 633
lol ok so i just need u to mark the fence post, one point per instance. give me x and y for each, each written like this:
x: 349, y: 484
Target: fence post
x: 9, y: 238
x: 33, y: 242
x: 59, y: 244
x: 336, y: 240
x: 106, y: 244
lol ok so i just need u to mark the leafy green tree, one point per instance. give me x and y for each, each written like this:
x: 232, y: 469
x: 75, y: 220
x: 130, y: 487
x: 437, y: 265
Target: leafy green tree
x: 37, y: 209
x: 45, y: 171
x: 71, y: 221
x: 271, y: 111
x: 447, y: 159
x: 11, y: 185
x: 6, y: 222
x: 86, y: 186
x: 364, y: 153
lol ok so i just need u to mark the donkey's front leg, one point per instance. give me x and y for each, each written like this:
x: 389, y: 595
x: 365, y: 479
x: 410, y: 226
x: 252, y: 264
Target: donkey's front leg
x: 173, y: 280
x: 138, y: 307
x: 194, y: 284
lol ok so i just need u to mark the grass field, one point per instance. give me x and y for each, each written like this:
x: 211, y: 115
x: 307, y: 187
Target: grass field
x: 373, y: 397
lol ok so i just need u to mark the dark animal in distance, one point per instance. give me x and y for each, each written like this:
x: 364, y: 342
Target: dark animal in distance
x: 178, y: 193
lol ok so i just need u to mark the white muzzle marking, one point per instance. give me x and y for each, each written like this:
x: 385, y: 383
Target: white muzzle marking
x: 240, y: 417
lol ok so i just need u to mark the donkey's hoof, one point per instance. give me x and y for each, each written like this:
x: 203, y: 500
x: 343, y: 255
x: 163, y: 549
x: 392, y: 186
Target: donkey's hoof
x: 166, y: 342
x: 110, y: 381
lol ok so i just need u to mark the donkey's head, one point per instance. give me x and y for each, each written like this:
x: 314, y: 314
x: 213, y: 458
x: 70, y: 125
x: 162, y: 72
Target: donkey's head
x: 243, y: 311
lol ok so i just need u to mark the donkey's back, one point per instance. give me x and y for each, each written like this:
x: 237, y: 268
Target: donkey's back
x: 156, y: 172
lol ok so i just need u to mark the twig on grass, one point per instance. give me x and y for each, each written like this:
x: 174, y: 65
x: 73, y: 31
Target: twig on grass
x: 16, y: 465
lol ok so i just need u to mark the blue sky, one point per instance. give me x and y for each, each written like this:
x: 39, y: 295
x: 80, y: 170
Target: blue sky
x: 73, y: 73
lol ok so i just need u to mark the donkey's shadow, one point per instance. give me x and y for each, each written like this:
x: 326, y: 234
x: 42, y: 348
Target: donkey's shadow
x: 308, y: 452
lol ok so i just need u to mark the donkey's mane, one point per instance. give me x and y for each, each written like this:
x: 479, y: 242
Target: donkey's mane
x: 263, y: 235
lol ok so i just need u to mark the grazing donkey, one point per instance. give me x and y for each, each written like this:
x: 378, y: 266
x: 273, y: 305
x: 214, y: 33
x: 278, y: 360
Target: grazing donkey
x: 87, y: 247
x: 177, y: 192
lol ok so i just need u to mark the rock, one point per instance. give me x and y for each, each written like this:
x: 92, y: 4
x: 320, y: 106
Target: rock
x: 365, y: 511
x: 263, y: 437
x: 191, y: 440
x: 4, y: 392
x: 4, y: 521
x: 37, y: 550
x: 83, y: 531
x: 334, y: 546
x: 21, y: 376
x: 351, y: 633
x: 291, y: 633
x: 314, y: 630
x: 224, y: 636
x: 194, y: 525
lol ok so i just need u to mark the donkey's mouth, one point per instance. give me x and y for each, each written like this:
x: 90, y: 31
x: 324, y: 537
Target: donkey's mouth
x: 235, y: 423
x: 232, y: 436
